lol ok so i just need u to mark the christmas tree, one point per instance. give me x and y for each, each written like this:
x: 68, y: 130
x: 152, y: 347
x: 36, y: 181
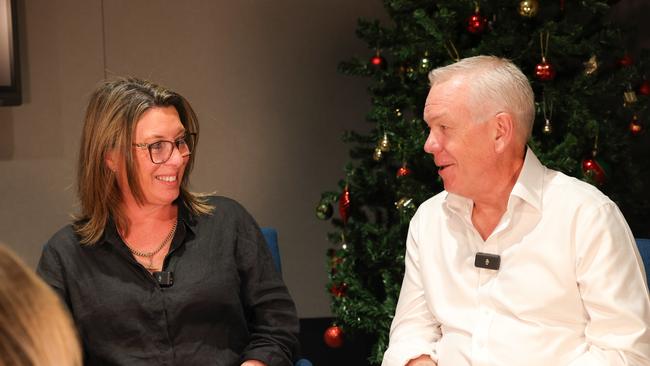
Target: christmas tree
x: 591, y: 98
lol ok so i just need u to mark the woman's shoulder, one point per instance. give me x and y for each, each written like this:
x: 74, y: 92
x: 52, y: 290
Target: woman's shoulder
x: 66, y: 237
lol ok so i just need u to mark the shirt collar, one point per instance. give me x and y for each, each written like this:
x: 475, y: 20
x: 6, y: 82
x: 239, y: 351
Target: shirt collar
x: 528, y: 187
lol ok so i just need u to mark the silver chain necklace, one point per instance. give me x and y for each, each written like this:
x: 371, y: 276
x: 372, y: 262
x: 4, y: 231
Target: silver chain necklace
x: 151, y: 254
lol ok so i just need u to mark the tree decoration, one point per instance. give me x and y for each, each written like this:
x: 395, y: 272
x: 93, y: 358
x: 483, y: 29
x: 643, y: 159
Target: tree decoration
x: 404, y: 203
x: 377, y: 62
x: 377, y: 155
x: 384, y: 144
x: 544, y: 70
x: 548, y: 128
x: 403, y: 171
x: 528, y: 8
x: 644, y: 88
x: 635, y: 126
x: 591, y: 65
x: 344, y: 204
x: 626, y: 60
x: 476, y: 22
x: 425, y: 63
x: 324, y: 210
x: 629, y: 97
x: 339, y: 290
x: 593, y: 168
x: 333, y: 336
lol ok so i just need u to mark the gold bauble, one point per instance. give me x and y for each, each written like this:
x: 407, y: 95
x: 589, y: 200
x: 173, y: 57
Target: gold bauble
x: 378, y: 154
x: 528, y: 8
x: 547, y: 129
x: 591, y: 65
x: 384, y: 144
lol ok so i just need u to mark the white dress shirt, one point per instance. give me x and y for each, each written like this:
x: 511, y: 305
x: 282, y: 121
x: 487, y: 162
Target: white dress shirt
x: 570, y: 290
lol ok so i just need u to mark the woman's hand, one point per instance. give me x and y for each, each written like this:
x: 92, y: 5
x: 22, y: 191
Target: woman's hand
x: 423, y: 360
x: 253, y: 363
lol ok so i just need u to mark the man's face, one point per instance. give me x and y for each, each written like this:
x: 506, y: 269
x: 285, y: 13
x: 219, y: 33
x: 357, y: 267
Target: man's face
x: 461, y: 147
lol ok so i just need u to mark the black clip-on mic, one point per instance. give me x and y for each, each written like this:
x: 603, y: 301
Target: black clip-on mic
x: 164, y: 278
x: 487, y: 261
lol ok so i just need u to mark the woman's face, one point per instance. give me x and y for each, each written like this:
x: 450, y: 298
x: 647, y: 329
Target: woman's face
x: 160, y: 183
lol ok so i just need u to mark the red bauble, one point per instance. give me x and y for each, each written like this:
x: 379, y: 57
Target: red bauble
x: 545, y: 71
x: 644, y: 88
x: 403, y: 171
x: 333, y: 336
x: 626, y: 61
x: 344, y: 204
x: 635, y: 127
x: 593, y: 170
x: 339, y: 290
x: 476, y: 23
x: 377, y: 62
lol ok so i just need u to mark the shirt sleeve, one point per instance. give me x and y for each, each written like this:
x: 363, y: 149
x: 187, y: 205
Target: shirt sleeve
x: 49, y: 268
x: 612, y: 284
x: 273, y: 322
x: 414, y: 330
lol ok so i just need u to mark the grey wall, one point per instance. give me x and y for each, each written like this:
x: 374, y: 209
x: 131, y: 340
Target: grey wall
x: 261, y: 75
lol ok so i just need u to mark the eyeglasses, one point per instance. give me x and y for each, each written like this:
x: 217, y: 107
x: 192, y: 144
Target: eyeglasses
x: 161, y: 151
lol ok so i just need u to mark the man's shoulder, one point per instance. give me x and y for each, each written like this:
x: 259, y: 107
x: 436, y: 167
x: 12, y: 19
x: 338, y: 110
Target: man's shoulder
x: 572, y: 190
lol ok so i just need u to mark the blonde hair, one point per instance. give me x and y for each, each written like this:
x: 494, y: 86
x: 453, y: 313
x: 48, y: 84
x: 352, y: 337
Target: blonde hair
x: 497, y: 82
x: 35, y: 328
x: 113, y: 111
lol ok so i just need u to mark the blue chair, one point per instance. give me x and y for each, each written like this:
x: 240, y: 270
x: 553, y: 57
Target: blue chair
x: 271, y: 236
x: 644, y: 250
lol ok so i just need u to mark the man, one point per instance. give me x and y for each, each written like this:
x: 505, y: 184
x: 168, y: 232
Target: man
x: 513, y: 264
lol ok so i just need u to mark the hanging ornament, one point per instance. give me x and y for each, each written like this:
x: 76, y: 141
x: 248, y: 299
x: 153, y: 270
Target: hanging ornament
x: 644, y: 88
x: 591, y: 65
x: 528, y: 8
x: 384, y: 144
x: 377, y: 155
x: 425, y: 63
x: 544, y: 70
x: 344, y: 204
x: 398, y: 112
x: 594, y: 169
x: 377, y: 62
x: 404, y: 203
x: 403, y: 171
x: 410, y: 73
x: 629, y: 97
x: 344, y: 243
x: 324, y: 210
x: 338, y: 290
x: 548, y: 128
x: 333, y: 336
x: 626, y: 60
x: 476, y: 22
x: 635, y: 126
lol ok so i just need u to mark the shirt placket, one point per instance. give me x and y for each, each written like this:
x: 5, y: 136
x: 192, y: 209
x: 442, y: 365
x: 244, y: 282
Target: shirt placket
x: 484, y: 296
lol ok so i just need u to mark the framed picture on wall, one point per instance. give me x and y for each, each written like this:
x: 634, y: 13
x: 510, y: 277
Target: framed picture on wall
x: 10, y: 93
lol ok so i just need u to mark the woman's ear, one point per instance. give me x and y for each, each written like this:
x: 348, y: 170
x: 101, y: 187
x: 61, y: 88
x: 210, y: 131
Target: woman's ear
x: 505, y: 131
x: 111, y: 158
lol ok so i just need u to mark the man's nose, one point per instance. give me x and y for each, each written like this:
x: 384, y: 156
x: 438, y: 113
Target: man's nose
x: 432, y: 144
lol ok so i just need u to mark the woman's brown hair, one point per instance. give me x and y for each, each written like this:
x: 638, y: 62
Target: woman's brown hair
x: 113, y: 111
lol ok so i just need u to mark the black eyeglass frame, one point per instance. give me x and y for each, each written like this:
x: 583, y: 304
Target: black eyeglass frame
x: 189, y: 139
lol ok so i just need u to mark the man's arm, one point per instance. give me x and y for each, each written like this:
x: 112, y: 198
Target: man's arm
x: 414, y: 330
x: 613, y: 289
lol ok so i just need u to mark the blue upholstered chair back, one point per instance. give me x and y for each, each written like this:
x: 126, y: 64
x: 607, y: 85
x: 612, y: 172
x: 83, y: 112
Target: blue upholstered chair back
x: 271, y: 236
x: 644, y: 250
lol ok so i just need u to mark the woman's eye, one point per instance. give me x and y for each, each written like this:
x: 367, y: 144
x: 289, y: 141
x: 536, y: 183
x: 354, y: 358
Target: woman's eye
x: 156, y: 146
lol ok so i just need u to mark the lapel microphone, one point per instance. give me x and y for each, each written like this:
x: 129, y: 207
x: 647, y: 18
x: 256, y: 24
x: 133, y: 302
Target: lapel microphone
x: 487, y: 261
x: 164, y: 278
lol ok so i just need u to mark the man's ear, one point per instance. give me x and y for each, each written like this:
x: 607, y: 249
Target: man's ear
x: 504, y: 131
x: 111, y: 158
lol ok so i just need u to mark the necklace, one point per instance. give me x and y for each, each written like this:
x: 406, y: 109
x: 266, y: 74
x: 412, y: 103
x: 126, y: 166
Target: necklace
x: 151, y: 254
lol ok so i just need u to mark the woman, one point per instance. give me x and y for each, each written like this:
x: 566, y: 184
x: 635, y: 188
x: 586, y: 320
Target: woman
x: 152, y: 273
x: 35, y: 328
